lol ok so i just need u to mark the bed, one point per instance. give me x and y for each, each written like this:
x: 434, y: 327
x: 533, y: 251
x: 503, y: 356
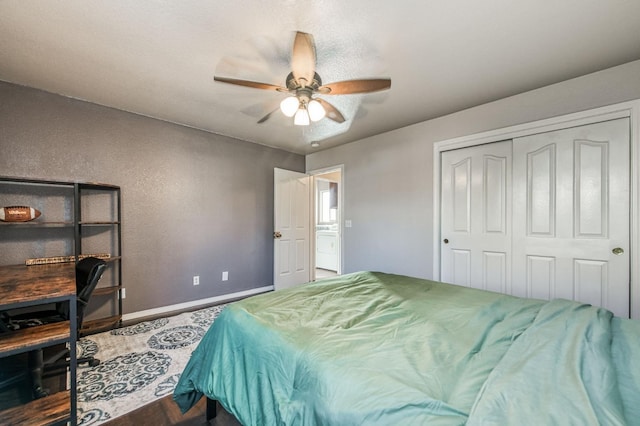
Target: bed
x: 378, y: 349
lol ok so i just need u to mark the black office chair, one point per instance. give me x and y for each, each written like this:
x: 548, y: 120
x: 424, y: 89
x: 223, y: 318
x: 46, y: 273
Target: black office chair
x: 88, y: 273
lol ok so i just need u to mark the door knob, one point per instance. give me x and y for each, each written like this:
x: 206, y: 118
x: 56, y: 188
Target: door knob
x: 277, y: 234
x: 617, y: 251
x: 446, y: 241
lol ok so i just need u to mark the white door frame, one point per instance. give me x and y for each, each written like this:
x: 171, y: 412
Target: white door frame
x: 314, y: 173
x: 629, y: 109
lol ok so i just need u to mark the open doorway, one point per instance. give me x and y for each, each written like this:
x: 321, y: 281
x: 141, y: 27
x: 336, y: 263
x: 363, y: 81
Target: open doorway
x: 327, y: 219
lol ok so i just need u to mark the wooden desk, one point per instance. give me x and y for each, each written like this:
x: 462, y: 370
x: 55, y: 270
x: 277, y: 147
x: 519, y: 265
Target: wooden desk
x: 22, y: 286
x: 32, y: 285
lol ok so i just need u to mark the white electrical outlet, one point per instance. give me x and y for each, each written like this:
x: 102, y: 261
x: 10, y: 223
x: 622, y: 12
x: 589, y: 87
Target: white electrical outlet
x: 123, y: 293
x: 196, y: 280
x: 225, y: 275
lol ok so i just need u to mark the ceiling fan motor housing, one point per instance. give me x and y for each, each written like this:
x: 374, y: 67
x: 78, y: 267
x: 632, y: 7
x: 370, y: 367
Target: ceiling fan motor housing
x: 293, y: 85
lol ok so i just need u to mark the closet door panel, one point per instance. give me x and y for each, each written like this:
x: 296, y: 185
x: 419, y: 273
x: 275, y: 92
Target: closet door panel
x: 591, y: 169
x: 476, y: 197
x: 571, y: 204
x: 540, y: 279
x: 541, y: 191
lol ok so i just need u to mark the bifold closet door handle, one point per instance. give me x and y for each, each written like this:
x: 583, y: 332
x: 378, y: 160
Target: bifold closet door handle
x: 277, y: 234
x: 617, y: 251
x: 446, y: 241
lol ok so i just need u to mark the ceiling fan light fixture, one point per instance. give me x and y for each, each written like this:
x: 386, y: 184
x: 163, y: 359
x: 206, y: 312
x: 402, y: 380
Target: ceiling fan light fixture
x: 316, y: 111
x: 301, y: 118
x: 289, y: 106
x: 303, y: 82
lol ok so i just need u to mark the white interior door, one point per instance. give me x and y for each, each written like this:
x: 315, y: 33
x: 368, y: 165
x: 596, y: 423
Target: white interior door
x: 292, y: 228
x: 476, y: 203
x: 571, y: 215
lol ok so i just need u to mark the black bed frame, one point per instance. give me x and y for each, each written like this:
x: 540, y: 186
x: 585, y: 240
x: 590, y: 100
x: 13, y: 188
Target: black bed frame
x: 212, y: 409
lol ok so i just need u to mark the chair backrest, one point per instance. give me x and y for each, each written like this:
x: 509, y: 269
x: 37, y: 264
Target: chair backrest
x: 88, y: 273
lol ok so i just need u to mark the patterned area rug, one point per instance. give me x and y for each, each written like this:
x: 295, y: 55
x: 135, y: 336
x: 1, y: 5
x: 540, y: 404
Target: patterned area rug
x: 139, y: 364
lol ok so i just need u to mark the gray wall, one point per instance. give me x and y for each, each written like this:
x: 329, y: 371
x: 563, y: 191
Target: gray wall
x: 194, y: 203
x: 388, y: 178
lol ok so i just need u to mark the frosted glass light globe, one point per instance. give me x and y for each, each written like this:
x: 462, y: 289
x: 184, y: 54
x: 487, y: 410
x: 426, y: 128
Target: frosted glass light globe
x: 316, y: 111
x: 289, y: 106
x: 301, y: 118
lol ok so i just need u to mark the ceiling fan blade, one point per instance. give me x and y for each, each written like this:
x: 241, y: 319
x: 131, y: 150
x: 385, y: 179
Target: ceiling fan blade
x: 266, y: 117
x: 303, y: 58
x: 348, y: 87
x: 331, y: 111
x: 248, y: 83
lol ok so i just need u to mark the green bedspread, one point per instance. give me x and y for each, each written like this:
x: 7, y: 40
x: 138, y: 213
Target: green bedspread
x: 379, y: 349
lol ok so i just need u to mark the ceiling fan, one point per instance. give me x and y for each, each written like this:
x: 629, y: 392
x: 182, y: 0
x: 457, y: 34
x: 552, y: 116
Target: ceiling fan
x: 303, y: 83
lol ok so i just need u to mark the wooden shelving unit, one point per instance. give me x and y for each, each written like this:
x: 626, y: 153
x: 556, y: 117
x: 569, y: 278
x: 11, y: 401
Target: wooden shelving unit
x: 78, y: 218
x: 98, y: 213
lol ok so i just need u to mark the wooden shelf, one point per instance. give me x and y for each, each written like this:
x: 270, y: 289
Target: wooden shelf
x: 98, y: 186
x: 38, y: 224
x: 101, y: 324
x: 49, y: 410
x: 98, y: 223
x: 102, y: 291
x: 29, y: 338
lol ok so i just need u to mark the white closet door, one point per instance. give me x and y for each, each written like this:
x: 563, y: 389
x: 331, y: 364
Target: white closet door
x: 571, y: 215
x: 476, y: 201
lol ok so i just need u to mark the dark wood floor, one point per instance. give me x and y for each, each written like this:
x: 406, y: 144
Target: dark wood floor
x: 166, y: 412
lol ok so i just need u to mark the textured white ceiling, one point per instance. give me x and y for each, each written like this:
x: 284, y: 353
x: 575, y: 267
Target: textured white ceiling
x: 158, y: 57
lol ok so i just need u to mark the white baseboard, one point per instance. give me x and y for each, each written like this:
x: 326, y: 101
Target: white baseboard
x: 195, y: 303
